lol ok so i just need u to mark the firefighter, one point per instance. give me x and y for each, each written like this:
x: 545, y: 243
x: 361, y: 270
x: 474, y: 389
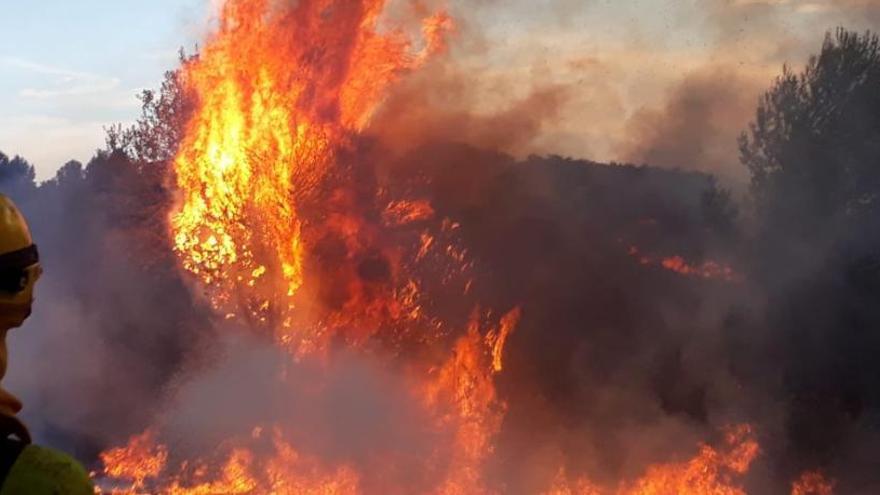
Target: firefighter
x: 25, y: 469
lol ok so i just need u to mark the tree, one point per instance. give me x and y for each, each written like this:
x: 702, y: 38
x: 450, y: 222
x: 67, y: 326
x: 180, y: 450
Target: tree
x: 71, y: 173
x: 719, y: 211
x: 17, y: 177
x: 814, y: 156
x: 155, y: 136
x: 814, y: 148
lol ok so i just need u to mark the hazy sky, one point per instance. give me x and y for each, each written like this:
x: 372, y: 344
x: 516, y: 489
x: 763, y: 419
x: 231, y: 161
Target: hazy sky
x: 665, y: 81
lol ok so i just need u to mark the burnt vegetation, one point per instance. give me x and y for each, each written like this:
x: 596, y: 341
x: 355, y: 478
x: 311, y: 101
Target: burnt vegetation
x: 612, y: 345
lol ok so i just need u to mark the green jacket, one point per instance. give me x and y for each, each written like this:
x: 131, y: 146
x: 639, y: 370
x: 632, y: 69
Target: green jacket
x: 44, y: 471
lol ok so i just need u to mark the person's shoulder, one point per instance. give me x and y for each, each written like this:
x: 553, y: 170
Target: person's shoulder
x: 42, y: 470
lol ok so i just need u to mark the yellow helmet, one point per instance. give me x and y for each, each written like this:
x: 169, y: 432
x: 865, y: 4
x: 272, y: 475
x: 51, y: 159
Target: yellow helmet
x: 19, y: 266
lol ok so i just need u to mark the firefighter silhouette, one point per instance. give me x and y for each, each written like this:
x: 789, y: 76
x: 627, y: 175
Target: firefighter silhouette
x: 25, y: 469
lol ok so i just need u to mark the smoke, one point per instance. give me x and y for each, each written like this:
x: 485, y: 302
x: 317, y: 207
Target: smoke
x: 615, y: 358
x: 697, y: 67
x: 615, y: 365
x: 697, y: 127
x: 357, y: 412
x: 441, y: 104
x: 113, y: 321
x: 461, y: 96
x: 620, y: 363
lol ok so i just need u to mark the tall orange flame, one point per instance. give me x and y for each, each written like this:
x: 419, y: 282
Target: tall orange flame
x: 280, y: 93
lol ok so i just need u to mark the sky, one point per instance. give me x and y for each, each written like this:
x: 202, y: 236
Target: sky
x: 670, y: 82
x: 70, y: 68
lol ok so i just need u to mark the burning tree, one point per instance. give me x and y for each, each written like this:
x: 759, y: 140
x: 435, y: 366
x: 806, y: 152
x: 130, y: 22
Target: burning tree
x: 283, y: 226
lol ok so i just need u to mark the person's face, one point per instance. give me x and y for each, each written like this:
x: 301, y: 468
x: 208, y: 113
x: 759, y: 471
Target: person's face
x: 16, y: 299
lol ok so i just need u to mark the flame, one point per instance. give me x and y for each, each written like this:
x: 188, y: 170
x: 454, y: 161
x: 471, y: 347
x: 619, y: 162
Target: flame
x: 496, y: 339
x: 709, y: 269
x: 281, y: 92
x: 812, y: 483
x: 406, y: 212
x: 465, y: 382
x: 141, y: 459
x: 562, y: 486
x: 713, y: 471
x: 287, y: 471
x: 460, y: 393
x: 234, y: 480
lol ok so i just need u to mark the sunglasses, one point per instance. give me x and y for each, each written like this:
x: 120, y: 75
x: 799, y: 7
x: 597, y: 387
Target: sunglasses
x: 16, y: 269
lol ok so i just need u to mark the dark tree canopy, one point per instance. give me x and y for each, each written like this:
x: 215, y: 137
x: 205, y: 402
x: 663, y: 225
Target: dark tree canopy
x: 814, y: 155
x: 164, y: 114
x: 70, y: 173
x: 814, y: 148
x: 17, y: 177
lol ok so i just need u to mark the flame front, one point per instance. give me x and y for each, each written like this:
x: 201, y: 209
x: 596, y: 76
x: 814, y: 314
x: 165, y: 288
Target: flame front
x: 713, y: 471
